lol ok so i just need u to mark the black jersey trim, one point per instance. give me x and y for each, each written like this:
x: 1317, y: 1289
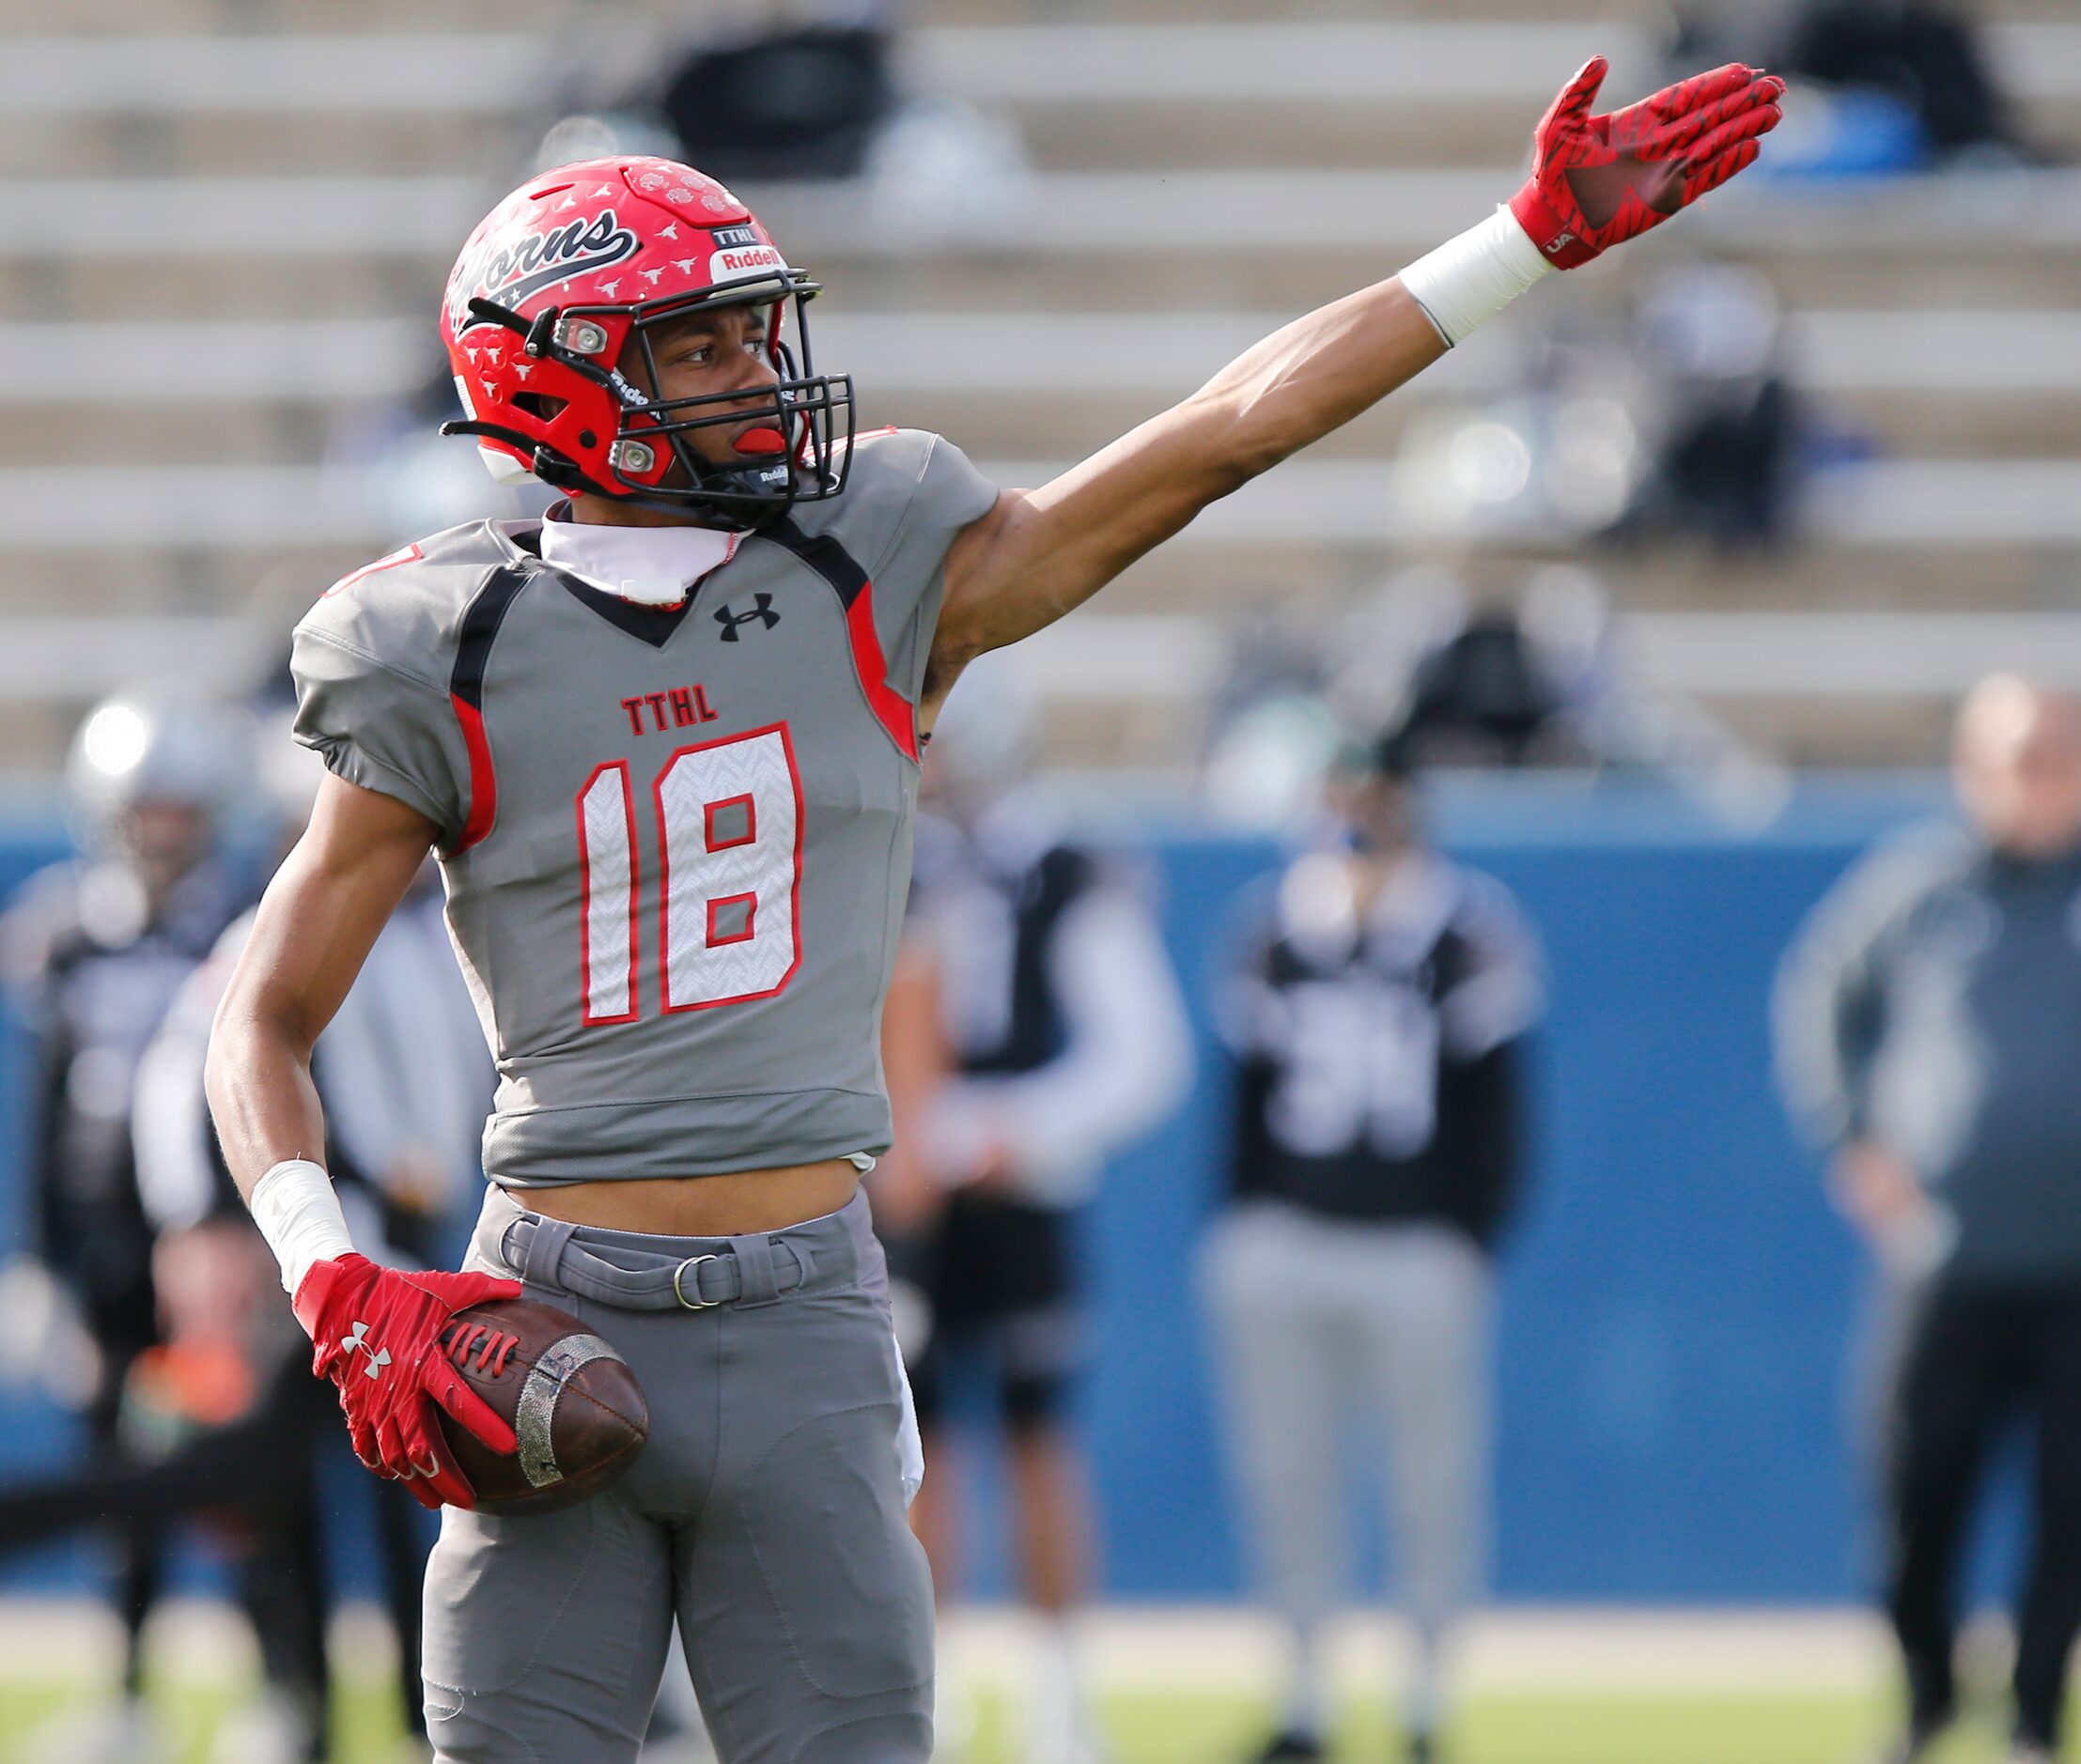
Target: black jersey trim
x: 823, y: 554
x: 895, y: 713
x: 480, y: 625
x: 650, y: 625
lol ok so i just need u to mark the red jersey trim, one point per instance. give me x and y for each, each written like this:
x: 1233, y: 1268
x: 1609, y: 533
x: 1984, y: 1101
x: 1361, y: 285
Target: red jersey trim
x: 892, y: 711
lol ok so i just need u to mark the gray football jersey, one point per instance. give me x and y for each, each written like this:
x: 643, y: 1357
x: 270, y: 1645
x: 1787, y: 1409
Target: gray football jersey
x: 676, y: 841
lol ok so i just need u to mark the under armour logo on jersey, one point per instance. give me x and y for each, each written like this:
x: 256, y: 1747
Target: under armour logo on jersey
x: 761, y: 610
x: 378, y: 1357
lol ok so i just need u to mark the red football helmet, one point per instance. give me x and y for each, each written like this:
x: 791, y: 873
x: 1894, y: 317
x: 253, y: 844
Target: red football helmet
x: 561, y: 278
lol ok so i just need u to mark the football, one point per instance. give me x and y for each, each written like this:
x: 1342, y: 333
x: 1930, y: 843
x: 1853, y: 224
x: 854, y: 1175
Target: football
x: 570, y: 1399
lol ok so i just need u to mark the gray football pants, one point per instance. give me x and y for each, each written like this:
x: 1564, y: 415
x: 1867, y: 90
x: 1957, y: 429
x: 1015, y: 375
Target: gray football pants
x: 1319, y: 1324
x: 765, y: 1513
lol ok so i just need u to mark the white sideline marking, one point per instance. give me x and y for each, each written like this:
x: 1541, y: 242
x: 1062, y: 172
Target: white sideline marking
x: 199, y: 1641
x: 1528, y: 1649
x: 1207, y: 1647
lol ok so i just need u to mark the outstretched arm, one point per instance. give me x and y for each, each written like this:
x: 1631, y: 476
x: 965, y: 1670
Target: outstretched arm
x: 1597, y: 179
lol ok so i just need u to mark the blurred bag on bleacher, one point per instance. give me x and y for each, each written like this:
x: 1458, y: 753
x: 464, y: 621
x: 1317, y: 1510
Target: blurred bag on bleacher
x: 796, y: 104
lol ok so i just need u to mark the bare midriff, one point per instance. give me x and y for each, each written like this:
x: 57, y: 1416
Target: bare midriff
x: 731, y: 1205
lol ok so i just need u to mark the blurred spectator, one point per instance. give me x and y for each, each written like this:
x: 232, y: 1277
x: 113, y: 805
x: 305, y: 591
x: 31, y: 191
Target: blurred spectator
x: 1377, y: 1022
x: 802, y: 101
x: 1879, y: 87
x: 1037, y: 1032
x: 1480, y: 698
x: 816, y: 98
x: 1728, y: 427
x: 1926, y: 1033
x: 1676, y: 417
x: 1924, y: 56
x: 95, y: 950
x: 407, y: 1083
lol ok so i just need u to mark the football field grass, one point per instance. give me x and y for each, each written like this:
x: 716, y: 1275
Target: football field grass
x: 1176, y: 1687
x: 1183, y: 1728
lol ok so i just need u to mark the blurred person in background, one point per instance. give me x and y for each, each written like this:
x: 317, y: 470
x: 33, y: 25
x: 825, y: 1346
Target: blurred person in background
x: 1035, y: 1031
x: 1716, y: 400
x: 1483, y: 697
x: 95, y: 950
x: 1378, y: 1022
x: 1890, y: 86
x: 408, y: 1082
x: 1926, y: 1024
x: 1924, y: 56
x: 792, y: 99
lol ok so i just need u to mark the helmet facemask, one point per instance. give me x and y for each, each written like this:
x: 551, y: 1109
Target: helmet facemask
x: 651, y: 461
x: 806, y: 411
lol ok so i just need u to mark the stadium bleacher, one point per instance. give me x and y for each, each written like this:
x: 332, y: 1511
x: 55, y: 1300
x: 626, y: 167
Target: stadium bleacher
x: 197, y: 294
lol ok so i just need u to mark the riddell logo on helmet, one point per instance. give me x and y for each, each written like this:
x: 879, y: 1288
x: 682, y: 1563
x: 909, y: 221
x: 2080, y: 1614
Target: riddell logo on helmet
x: 510, y: 272
x: 744, y: 261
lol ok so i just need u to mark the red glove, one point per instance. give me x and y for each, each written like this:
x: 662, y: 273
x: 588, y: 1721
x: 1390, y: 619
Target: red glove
x: 379, y: 1338
x: 1599, y: 181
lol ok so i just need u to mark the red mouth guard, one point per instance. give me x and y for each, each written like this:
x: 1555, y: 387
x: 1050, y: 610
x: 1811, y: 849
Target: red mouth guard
x: 762, y: 440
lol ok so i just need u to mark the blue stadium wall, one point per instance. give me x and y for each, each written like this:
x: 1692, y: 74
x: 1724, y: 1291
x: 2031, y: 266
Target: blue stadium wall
x: 1678, y: 1301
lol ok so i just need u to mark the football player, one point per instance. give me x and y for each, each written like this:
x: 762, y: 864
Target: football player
x: 1377, y: 1021
x: 667, y: 743
x: 95, y: 952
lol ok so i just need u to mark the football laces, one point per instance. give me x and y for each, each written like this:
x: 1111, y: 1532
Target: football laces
x: 492, y: 1347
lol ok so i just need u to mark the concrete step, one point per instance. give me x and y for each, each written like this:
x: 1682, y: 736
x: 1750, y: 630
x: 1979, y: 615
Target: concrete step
x: 1383, y: 113
x: 370, y: 75
x: 1303, y: 578
x: 1967, y: 506
x: 149, y: 145
x: 1912, y: 533
x: 259, y: 246
x: 1979, y: 381
x: 1066, y: 426
x: 1120, y: 686
x: 117, y: 19
x: 1644, y: 15
x: 1248, y: 94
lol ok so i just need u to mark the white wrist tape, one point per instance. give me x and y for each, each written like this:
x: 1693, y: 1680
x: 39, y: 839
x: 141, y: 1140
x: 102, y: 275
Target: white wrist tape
x: 298, y: 1214
x: 1467, y: 281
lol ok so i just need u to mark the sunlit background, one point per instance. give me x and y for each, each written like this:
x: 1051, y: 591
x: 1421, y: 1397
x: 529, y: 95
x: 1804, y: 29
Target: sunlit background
x: 1685, y: 560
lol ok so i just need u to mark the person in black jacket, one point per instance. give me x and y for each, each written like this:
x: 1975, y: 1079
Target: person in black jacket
x: 1377, y: 1025
x: 1927, y: 1024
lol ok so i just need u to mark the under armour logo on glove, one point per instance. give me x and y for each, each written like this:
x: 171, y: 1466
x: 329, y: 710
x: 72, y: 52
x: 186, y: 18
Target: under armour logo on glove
x: 1599, y: 181
x: 366, y: 1319
x: 762, y: 611
x: 378, y: 1357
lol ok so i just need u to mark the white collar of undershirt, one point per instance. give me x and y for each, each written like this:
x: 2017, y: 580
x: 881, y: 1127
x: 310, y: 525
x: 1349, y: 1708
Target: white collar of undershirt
x: 654, y: 567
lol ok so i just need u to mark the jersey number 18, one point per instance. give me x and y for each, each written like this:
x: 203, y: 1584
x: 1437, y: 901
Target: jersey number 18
x: 729, y: 818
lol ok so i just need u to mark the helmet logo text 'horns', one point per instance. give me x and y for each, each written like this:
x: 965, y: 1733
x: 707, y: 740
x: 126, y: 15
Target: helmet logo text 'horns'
x: 508, y: 273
